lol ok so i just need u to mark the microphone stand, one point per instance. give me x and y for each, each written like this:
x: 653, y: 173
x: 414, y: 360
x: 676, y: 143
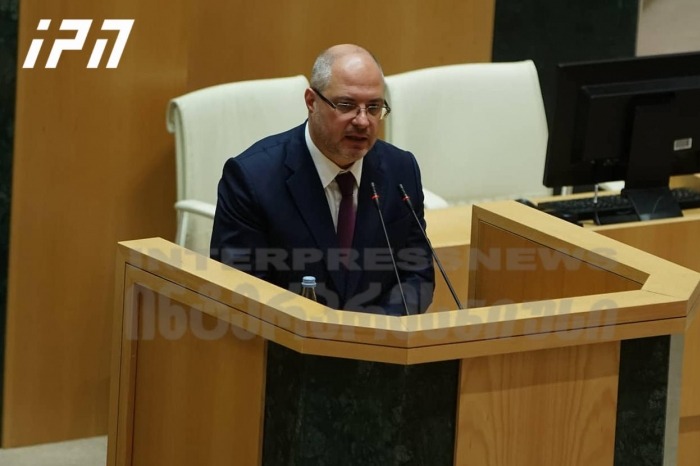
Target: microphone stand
x: 375, y: 198
x: 408, y: 202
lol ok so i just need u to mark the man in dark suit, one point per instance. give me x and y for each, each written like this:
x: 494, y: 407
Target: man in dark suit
x: 301, y: 202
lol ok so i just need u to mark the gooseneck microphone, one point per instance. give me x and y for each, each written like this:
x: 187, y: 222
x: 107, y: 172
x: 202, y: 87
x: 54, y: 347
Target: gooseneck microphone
x: 408, y: 202
x: 375, y: 198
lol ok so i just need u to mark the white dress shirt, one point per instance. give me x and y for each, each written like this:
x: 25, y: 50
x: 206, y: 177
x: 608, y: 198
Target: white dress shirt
x: 327, y: 171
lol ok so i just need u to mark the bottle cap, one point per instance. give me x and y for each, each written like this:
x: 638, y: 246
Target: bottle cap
x: 308, y: 281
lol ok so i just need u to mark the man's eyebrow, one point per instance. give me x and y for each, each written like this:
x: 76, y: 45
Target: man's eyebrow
x: 352, y: 99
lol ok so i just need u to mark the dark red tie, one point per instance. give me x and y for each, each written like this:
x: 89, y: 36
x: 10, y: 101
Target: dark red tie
x: 346, y: 213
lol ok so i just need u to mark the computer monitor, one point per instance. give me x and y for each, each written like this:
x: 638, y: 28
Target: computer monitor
x: 632, y: 119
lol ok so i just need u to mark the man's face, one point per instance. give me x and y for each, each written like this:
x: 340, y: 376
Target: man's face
x: 346, y: 138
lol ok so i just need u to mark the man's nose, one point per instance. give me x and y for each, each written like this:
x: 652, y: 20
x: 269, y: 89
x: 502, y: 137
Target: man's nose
x: 361, y: 118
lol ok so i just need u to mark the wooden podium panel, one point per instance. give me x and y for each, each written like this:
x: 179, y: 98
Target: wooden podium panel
x: 674, y: 239
x: 526, y: 391
x: 179, y: 414
x: 504, y: 398
x: 689, y: 438
x: 176, y: 394
x: 508, y: 258
x: 449, y: 231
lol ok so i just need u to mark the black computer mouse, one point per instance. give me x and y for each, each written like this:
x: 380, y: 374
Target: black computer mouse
x: 564, y: 215
x: 526, y: 202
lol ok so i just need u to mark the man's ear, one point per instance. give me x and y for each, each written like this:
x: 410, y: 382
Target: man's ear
x: 310, y: 99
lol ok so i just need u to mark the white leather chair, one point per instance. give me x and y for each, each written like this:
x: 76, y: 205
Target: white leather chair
x: 215, y: 123
x: 479, y: 131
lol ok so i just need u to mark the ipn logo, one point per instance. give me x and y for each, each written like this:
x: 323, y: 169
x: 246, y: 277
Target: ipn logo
x: 82, y: 28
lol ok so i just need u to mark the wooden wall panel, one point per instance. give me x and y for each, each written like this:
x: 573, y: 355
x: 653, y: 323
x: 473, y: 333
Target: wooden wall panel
x: 93, y: 163
x: 241, y: 39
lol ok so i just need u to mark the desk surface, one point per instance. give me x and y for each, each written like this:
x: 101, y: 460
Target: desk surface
x: 451, y: 226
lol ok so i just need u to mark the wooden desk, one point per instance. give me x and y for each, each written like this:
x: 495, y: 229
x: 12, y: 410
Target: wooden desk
x: 545, y: 340
x: 676, y: 239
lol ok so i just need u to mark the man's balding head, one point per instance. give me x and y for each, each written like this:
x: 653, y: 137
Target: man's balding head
x: 323, y: 66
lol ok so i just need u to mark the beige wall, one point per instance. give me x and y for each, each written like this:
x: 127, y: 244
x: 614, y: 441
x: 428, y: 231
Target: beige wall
x: 93, y: 163
x: 667, y: 26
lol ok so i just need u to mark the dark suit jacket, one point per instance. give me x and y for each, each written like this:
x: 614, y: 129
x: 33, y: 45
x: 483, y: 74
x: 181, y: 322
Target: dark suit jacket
x: 273, y: 221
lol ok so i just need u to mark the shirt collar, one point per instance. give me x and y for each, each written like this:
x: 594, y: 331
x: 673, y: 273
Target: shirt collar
x: 326, y: 169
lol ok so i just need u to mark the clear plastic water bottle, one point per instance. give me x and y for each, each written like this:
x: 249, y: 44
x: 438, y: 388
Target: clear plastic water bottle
x: 308, y: 287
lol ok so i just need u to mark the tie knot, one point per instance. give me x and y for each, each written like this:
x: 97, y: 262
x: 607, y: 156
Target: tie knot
x: 346, y: 183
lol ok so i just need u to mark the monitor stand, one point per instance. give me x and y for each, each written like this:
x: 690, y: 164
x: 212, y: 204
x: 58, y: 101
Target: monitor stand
x: 653, y: 203
x: 650, y: 163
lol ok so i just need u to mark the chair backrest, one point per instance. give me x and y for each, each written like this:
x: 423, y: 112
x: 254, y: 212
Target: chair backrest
x: 218, y: 122
x: 215, y: 123
x: 478, y: 131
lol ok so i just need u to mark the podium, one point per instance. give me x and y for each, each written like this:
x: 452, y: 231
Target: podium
x: 213, y: 366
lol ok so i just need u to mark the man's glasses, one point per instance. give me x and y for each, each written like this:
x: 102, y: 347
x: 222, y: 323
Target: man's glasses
x: 346, y: 108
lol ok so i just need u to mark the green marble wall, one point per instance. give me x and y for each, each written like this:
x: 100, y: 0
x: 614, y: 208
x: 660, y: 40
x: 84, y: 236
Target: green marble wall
x: 325, y: 411
x: 641, y: 402
x: 8, y: 79
x: 554, y: 31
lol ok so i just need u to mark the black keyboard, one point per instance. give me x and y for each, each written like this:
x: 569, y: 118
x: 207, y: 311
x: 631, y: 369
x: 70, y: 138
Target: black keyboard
x: 613, y: 205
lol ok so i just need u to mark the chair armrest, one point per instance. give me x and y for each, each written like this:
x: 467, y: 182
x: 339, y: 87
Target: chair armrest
x: 433, y: 201
x: 204, y: 209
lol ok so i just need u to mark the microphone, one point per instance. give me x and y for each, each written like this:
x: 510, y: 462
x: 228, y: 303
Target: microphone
x: 408, y: 202
x: 375, y: 198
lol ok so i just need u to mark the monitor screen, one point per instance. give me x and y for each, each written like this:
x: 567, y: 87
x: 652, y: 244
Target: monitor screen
x: 633, y: 119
